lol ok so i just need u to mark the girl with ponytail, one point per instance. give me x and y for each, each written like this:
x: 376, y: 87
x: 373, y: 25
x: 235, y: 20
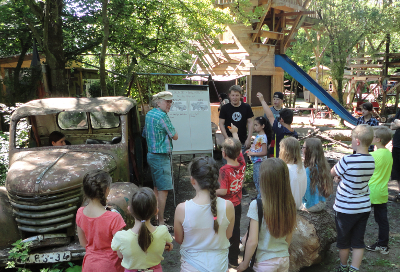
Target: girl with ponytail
x: 141, y: 247
x: 204, y: 224
x: 96, y: 226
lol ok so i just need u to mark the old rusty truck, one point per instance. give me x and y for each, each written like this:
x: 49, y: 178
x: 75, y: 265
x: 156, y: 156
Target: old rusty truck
x: 43, y: 187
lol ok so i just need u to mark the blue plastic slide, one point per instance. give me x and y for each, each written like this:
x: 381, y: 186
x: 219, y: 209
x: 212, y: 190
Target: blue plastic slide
x: 309, y: 83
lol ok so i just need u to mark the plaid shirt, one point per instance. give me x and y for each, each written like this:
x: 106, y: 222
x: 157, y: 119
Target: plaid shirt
x: 158, y: 131
x: 372, y: 121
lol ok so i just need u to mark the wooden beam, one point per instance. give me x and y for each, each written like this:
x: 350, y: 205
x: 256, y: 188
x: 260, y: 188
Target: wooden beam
x: 261, y: 22
x: 294, y: 26
x: 261, y: 61
x: 285, y: 14
x: 271, y: 35
x: 394, y: 64
x: 365, y: 66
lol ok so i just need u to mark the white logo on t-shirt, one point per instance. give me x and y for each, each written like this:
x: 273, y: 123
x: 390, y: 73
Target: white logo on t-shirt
x: 236, y: 116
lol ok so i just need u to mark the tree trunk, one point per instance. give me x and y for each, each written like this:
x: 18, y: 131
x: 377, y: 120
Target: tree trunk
x: 129, y: 73
x: 106, y: 30
x: 17, y: 92
x: 53, y: 44
x: 296, y: 84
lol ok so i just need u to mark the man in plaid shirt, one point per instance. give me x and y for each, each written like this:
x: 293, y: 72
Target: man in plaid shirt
x: 159, y: 133
x: 367, y: 118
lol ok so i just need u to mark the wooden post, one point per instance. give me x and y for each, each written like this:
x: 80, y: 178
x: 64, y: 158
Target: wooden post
x: 385, y: 73
x: 3, y: 75
x: 81, y: 77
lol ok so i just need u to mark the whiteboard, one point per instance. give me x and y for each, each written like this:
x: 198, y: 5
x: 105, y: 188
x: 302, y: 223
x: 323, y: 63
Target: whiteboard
x: 190, y: 114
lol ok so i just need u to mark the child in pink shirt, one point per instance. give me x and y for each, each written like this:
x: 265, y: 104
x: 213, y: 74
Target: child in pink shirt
x: 96, y: 226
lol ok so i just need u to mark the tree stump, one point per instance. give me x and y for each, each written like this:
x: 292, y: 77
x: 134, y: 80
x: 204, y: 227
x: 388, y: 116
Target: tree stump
x: 314, y: 234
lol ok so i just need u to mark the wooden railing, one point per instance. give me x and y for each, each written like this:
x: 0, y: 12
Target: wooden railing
x: 223, y: 3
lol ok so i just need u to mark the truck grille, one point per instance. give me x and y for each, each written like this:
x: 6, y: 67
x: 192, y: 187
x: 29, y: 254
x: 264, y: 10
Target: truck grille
x: 46, y: 214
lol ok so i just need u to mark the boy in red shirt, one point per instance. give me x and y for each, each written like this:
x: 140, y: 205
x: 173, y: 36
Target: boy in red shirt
x: 231, y: 177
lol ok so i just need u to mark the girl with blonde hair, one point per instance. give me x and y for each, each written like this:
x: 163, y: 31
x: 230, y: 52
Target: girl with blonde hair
x: 290, y: 153
x: 279, y: 220
x: 319, y: 180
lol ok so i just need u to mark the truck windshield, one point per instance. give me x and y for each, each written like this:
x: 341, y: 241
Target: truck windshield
x: 78, y: 120
x: 72, y: 120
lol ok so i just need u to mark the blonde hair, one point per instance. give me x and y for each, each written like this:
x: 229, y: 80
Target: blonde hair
x: 277, y: 198
x: 290, y: 152
x: 232, y: 148
x: 364, y: 133
x: 314, y: 159
x: 383, y: 133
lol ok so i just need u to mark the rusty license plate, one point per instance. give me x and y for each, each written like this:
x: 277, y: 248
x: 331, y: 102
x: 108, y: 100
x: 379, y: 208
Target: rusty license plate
x: 51, y: 257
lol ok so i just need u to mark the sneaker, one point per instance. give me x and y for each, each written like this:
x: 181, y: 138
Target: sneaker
x: 352, y: 269
x: 397, y: 199
x: 341, y: 268
x: 376, y: 247
x: 244, y: 192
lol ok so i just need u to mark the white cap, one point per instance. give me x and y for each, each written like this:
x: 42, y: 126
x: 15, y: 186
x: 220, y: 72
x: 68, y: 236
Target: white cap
x: 163, y: 95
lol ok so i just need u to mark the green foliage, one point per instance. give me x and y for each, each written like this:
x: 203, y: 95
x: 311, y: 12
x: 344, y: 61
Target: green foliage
x: 248, y: 176
x: 19, y: 253
x: 22, y: 139
x: 345, y: 23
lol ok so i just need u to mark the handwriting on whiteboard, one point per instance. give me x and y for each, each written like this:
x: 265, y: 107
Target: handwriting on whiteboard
x: 199, y: 105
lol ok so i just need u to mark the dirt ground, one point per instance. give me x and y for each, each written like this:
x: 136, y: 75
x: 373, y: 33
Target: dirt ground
x: 372, y: 261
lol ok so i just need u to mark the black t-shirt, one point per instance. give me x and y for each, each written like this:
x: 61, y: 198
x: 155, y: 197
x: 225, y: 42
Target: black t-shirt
x: 237, y: 116
x: 396, y: 136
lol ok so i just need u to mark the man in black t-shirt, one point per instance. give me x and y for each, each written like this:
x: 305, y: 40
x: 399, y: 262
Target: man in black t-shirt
x: 239, y: 114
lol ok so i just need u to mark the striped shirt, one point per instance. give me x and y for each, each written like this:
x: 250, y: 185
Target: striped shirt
x: 352, y: 195
x: 158, y: 131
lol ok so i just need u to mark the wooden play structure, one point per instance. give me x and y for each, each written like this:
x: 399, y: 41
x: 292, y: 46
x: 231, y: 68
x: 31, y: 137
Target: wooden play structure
x: 369, y: 78
x: 247, y: 52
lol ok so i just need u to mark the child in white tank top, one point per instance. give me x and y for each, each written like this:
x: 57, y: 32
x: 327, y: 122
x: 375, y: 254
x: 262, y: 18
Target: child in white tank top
x: 204, y: 224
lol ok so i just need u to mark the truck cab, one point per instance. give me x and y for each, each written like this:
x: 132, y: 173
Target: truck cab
x: 44, y: 182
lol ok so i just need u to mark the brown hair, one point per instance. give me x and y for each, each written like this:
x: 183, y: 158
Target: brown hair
x: 232, y: 148
x: 278, y: 202
x: 364, y: 133
x: 143, y: 207
x: 314, y: 159
x: 235, y: 88
x: 55, y: 136
x: 95, y: 185
x: 289, y: 152
x: 204, y: 170
x: 383, y: 133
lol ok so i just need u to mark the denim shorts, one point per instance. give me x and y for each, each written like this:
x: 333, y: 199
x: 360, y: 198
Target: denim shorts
x: 160, y: 168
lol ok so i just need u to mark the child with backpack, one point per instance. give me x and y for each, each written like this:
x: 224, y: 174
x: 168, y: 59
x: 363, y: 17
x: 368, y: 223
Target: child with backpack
x: 141, y: 247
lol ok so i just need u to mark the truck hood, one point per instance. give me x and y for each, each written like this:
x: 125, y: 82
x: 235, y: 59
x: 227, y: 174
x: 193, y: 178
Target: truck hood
x: 49, y: 172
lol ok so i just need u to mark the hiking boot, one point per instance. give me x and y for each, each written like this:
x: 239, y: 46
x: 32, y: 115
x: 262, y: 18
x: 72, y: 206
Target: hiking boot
x: 341, y: 268
x: 244, y: 192
x: 376, y: 247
